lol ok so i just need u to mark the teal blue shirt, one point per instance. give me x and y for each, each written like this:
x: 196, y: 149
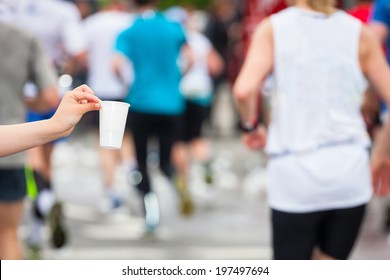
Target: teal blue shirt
x: 153, y: 44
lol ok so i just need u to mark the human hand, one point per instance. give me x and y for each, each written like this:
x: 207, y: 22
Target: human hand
x: 73, y: 106
x: 256, y: 139
x: 380, y: 170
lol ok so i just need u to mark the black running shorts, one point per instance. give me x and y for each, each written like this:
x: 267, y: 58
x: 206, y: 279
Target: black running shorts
x: 334, y: 232
x: 12, y: 185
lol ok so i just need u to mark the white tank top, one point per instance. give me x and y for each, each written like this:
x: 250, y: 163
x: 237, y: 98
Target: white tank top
x: 197, y: 83
x: 317, y: 138
x: 316, y: 106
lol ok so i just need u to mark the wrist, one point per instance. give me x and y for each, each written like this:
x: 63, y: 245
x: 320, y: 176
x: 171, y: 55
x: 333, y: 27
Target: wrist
x: 249, y: 126
x: 56, y: 128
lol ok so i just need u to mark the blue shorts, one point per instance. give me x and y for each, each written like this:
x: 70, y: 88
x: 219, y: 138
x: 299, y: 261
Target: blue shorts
x: 35, y: 116
x: 12, y: 185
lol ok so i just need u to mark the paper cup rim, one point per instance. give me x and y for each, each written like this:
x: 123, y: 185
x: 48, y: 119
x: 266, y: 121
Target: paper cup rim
x: 111, y: 147
x: 118, y: 102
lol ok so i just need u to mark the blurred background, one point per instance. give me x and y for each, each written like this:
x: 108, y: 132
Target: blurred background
x: 230, y: 218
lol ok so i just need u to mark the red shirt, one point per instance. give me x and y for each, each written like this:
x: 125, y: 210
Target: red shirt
x: 362, y: 12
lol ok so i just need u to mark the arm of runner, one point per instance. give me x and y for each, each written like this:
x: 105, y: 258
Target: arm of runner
x: 257, y: 65
x: 42, y: 74
x: 48, y: 99
x: 189, y: 58
x: 375, y: 67
x: 214, y: 62
x: 20, y: 137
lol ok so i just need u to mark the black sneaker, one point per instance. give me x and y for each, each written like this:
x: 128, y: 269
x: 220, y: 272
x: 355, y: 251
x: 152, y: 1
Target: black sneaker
x: 58, y: 237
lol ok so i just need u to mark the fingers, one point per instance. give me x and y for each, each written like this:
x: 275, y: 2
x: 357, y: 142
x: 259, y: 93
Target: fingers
x: 253, y: 142
x: 84, y: 88
x: 385, y: 183
x: 382, y: 187
x: 90, y: 107
x: 381, y: 181
x: 85, y: 97
x: 375, y: 181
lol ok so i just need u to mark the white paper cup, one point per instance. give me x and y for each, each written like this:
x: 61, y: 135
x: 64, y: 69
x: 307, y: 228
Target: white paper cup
x: 112, y: 122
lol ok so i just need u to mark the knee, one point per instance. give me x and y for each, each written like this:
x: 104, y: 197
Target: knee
x: 8, y: 236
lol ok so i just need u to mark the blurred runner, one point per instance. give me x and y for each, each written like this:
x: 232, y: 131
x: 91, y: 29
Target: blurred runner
x: 319, y: 180
x: 23, y: 60
x: 222, y: 16
x: 101, y: 30
x: 57, y: 25
x: 197, y: 87
x: 380, y: 24
x: 153, y: 45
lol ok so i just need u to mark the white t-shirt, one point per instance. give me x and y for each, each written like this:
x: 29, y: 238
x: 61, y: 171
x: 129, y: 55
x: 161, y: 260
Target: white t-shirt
x: 197, y: 82
x: 55, y: 22
x: 101, y: 31
x: 317, y: 138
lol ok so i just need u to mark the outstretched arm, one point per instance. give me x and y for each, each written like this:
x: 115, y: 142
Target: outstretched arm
x: 20, y: 137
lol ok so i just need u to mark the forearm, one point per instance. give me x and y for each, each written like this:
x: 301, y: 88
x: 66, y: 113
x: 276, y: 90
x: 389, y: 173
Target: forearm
x: 246, y: 91
x: 20, y: 137
x: 247, y: 103
x: 258, y: 64
x: 118, y: 64
x: 382, y: 141
x: 188, y: 59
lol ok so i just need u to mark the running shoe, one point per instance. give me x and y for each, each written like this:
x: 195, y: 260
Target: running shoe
x: 208, y: 173
x: 114, y: 198
x: 186, y: 203
x: 34, y: 241
x: 33, y: 251
x: 58, y: 232
x: 116, y: 202
x: 152, y: 211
